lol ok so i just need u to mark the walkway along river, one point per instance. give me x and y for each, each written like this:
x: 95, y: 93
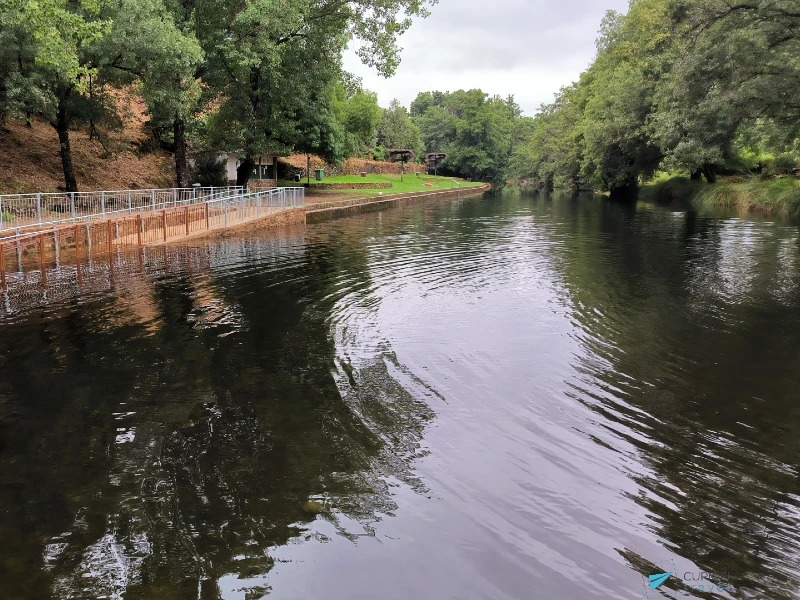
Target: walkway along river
x: 64, y: 254
x: 503, y: 397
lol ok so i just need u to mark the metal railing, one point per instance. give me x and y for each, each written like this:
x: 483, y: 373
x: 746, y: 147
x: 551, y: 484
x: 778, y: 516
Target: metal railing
x: 27, y: 211
x: 49, y: 248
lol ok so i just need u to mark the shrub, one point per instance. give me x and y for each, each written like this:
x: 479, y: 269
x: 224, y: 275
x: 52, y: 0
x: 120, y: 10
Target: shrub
x: 208, y: 170
x: 783, y: 164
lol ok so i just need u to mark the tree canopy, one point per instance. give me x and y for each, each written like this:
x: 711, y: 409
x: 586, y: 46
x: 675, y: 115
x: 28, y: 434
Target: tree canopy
x: 687, y: 86
x: 243, y: 76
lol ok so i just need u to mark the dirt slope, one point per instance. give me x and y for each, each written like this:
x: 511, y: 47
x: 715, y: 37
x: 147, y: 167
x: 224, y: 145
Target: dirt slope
x: 30, y: 161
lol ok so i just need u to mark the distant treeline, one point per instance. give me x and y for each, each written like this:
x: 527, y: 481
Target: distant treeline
x: 478, y: 133
x: 693, y: 87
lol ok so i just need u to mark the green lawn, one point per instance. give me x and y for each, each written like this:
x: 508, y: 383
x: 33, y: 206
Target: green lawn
x: 410, y: 184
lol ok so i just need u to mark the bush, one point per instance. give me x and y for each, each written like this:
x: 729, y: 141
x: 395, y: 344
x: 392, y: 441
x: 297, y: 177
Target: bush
x: 677, y: 189
x: 7, y: 217
x: 208, y: 170
x: 783, y: 164
x: 776, y: 196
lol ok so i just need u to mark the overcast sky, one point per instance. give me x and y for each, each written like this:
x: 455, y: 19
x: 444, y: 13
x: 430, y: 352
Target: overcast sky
x: 528, y: 48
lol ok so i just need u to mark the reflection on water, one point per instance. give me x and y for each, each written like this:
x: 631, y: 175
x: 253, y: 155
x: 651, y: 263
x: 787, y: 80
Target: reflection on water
x: 510, y: 397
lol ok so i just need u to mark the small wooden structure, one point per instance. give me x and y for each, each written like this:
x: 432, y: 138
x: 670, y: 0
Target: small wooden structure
x: 402, y: 156
x: 433, y: 160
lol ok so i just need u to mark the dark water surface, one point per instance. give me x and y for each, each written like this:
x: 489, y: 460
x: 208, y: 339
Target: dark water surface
x: 508, y: 397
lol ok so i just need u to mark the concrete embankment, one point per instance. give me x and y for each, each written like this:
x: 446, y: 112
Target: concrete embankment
x: 322, y: 211
x: 316, y: 212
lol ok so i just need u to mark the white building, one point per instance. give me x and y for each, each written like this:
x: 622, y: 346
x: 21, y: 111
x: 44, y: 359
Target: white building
x: 264, y: 175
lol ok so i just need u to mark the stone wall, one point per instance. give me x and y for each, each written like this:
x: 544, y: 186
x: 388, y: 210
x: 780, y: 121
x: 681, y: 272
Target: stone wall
x: 290, y: 166
x: 259, y: 185
x: 351, y: 186
x: 322, y: 211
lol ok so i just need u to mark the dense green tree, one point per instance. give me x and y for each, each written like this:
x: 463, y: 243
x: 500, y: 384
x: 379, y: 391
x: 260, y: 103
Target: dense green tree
x: 690, y: 86
x: 273, y: 67
x: 477, y: 132
x: 146, y: 45
x: 737, y: 69
x: 45, y: 70
x: 262, y: 73
x: 358, y: 112
x: 66, y: 52
x: 555, y: 149
x: 397, y: 130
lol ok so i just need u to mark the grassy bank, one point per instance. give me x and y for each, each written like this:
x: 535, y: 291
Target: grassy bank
x: 772, y: 196
x: 410, y: 184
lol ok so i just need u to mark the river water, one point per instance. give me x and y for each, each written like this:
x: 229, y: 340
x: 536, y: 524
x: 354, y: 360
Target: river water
x: 516, y: 396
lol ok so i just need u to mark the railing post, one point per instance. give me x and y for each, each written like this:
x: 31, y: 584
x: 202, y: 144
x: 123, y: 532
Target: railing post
x: 186, y: 213
x: 41, y: 260
x: 207, y: 219
x: 258, y: 205
x: 72, y: 203
x: 102, y: 203
x: 242, y: 202
x: 164, y: 215
x: 88, y: 239
x: 225, y: 204
x: 174, y: 197
x: 78, y: 253
x: 3, y: 285
x: 139, y: 228
x: 56, y: 245
x: 19, y: 252
x: 130, y: 203
x: 39, y: 208
x: 153, y: 198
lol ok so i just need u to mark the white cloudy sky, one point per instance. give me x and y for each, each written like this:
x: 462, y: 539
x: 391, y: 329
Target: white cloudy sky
x: 528, y: 48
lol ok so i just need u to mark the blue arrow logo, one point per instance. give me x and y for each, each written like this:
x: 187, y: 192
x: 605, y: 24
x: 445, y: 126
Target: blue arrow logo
x: 656, y: 581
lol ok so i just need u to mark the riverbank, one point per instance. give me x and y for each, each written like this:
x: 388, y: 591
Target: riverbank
x: 325, y: 209
x: 772, y: 197
x: 376, y: 185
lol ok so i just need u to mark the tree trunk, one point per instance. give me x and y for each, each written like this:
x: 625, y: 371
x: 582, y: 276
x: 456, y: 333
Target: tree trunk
x: 181, y: 170
x: 710, y: 172
x: 244, y: 170
x: 62, y: 127
x: 626, y: 192
x: 697, y: 175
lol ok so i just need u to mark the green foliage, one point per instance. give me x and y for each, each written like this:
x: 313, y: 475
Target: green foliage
x: 397, y: 130
x: 477, y: 132
x: 774, y: 196
x: 686, y: 86
x: 273, y: 69
x: 358, y: 112
x: 777, y: 196
x: 249, y: 76
x: 208, y: 170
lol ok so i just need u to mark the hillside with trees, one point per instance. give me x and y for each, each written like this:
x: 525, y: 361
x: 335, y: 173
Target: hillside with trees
x: 243, y: 76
